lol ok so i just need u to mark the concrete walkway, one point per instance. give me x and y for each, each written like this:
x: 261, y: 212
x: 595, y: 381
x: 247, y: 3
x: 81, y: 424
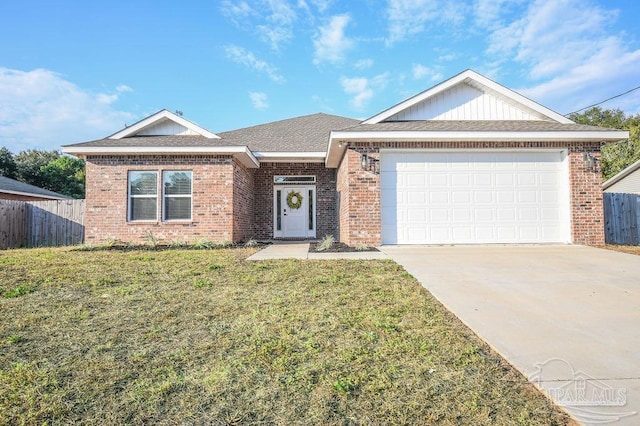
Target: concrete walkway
x: 300, y: 250
x: 567, y: 317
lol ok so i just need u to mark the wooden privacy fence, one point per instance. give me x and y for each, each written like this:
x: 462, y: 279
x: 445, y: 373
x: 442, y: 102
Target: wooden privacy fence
x: 622, y: 218
x: 41, y: 223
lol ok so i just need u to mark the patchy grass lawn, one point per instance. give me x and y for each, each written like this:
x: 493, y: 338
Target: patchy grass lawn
x: 624, y: 249
x: 203, y: 337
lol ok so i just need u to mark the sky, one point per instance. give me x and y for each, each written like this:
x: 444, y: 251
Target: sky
x: 73, y: 71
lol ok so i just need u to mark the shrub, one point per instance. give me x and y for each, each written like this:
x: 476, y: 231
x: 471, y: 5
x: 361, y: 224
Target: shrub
x: 326, y: 243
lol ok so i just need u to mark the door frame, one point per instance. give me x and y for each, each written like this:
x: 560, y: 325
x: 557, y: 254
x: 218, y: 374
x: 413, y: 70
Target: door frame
x: 280, y: 233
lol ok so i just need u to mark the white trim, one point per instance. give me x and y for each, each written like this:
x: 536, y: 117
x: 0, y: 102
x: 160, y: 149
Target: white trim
x: 309, y: 233
x: 31, y: 194
x: 621, y: 175
x: 468, y: 75
x: 288, y: 157
x: 424, y: 135
x: 157, y: 117
x: 247, y: 159
x: 338, y: 140
x: 562, y: 150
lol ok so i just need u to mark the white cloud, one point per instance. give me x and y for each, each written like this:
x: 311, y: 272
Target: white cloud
x: 236, y: 11
x: 259, y: 100
x: 420, y: 71
x: 408, y: 17
x: 330, y: 43
x: 363, y: 64
x: 42, y: 110
x: 489, y: 13
x: 363, y: 89
x: 571, y: 57
x: 272, y: 20
x: 244, y: 57
x: 322, y: 5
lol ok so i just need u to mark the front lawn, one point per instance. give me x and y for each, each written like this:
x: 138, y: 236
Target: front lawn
x: 204, y: 337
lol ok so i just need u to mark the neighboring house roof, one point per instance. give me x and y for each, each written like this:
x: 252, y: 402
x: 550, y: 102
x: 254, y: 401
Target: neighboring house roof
x: 11, y: 186
x: 626, y: 181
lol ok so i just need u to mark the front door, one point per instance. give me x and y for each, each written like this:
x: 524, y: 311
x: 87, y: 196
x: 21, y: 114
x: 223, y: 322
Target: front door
x: 294, y: 212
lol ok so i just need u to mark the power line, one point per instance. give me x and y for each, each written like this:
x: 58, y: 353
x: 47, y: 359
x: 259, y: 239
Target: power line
x: 601, y: 102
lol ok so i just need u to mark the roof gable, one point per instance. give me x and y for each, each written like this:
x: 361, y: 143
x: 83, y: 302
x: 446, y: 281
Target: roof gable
x: 468, y: 96
x: 163, y: 123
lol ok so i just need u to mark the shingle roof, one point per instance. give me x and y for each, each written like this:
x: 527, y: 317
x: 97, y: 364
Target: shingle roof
x: 309, y: 133
x: 473, y: 126
x: 13, y: 186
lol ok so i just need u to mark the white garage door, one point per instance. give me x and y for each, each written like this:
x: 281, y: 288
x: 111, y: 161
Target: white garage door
x: 474, y: 197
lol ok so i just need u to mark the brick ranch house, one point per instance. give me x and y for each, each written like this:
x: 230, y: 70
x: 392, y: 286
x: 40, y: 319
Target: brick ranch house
x: 466, y: 161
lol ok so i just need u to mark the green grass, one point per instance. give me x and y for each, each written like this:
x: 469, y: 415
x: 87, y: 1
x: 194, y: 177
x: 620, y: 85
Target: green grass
x: 204, y: 337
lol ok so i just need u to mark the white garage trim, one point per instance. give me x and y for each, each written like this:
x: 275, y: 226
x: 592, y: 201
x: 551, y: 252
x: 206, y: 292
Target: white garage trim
x: 474, y: 196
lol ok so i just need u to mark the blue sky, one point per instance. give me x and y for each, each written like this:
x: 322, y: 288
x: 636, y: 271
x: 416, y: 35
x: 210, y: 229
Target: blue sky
x: 72, y: 71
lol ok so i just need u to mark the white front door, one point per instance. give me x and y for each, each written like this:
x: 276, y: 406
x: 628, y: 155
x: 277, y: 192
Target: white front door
x: 294, y: 212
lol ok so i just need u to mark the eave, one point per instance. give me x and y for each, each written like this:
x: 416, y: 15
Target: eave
x: 242, y: 153
x: 339, y: 140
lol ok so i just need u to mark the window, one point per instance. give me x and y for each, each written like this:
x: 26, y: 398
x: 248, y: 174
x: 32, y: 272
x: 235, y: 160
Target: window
x: 177, y: 195
x: 294, y: 179
x: 143, y: 195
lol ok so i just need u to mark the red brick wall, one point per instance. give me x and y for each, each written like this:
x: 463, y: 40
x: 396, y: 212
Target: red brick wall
x: 359, y: 190
x: 106, y: 199
x: 344, y: 194
x: 326, y: 214
x: 243, y: 195
x: 587, y: 209
x: 359, y: 200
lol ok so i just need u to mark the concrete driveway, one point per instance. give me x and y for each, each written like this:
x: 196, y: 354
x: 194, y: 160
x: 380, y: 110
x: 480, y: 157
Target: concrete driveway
x: 568, y: 317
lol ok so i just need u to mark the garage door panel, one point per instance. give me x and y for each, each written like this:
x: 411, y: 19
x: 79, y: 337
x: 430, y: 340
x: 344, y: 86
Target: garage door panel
x: 483, y: 197
x: 474, y: 197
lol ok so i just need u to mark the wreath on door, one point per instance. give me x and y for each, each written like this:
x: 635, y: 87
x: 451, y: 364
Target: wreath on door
x: 294, y: 200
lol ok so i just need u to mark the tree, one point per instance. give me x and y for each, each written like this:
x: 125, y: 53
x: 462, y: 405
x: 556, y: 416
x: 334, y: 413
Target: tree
x: 7, y: 164
x: 30, y: 163
x: 619, y: 155
x: 65, y: 175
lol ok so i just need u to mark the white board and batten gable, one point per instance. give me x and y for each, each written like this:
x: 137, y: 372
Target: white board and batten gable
x: 163, y: 123
x: 467, y: 96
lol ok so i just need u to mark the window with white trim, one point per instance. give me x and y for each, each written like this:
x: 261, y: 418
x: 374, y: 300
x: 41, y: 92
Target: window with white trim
x: 176, y: 194
x: 143, y: 195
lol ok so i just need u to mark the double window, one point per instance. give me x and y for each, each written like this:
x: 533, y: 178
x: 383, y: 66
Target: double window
x: 143, y: 195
